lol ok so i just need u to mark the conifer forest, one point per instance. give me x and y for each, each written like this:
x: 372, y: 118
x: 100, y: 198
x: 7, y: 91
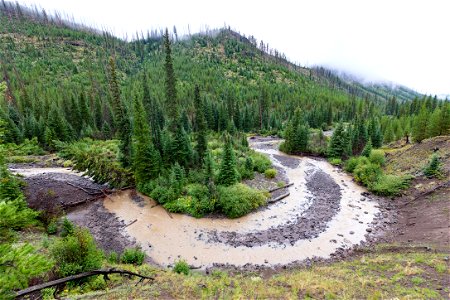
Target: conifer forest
x: 210, y: 166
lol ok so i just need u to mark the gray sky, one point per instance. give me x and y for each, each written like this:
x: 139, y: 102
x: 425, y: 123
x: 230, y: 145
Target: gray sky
x: 406, y: 42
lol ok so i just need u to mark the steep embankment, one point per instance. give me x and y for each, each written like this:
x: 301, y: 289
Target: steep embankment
x: 423, y: 210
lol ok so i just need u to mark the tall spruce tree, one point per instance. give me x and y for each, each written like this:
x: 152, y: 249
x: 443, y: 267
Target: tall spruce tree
x: 146, y: 159
x: 228, y: 174
x: 339, y: 142
x: 121, y: 119
x: 170, y: 82
x: 200, y: 123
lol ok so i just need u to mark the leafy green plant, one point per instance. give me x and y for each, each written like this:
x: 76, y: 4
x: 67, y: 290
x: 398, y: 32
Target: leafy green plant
x: 67, y: 228
x: 76, y: 253
x: 239, y: 199
x: 390, y: 185
x: 367, y: 174
x: 52, y: 227
x: 377, y: 157
x: 434, y: 168
x: 270, y: 173
x: 335, y: 161
x: 181, y: 267
x: 260, y: 161
x: 133, y: 256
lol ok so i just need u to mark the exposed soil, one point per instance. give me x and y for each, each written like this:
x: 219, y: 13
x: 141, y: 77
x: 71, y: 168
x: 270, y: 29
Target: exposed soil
x: 314, y: 220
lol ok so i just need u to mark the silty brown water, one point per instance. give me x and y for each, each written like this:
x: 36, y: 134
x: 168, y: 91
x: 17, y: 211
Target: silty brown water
x: 168, y: 238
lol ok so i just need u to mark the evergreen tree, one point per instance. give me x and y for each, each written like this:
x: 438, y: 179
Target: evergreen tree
x: 146, y: 159
x: 200, y: 122
x: 433, y: 169
x: 338, y: 146
x: 420, y: 125
x: 181, y: 150
x: 122, y: 122
x: 367, y: 149
x: 228, y: 174
x: 170, y: 82
x: 297, y: 134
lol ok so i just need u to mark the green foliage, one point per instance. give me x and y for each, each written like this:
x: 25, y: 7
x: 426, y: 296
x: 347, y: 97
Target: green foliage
x: 390, y: 185
x: 18, y: 265
x: 367, y: 174
x: 367, y: 149
x: 28, y: 147
x: 353, y: 162
x: 99, y: 160
x: 377, y: 157
x: 113, y: 257
x: 434, y: 168
x: 260, y: 161
x: 339, y: 142
x: 420, y: 125
x: 181, y: 267
x: 52, y: 227
x: 335, y: 161
x: 297, y: 134
x: 133, y: 256
x: 67, y: 228
x: 270, y: 173
x: 228, y: 174
x: 239, y: 199
x: 76, y: 253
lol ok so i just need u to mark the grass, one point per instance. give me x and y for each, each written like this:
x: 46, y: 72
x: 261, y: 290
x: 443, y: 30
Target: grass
x: 407, y: 274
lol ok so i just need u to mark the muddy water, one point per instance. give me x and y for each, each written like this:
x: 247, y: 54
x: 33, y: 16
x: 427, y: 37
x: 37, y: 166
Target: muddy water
x: 167, y: 238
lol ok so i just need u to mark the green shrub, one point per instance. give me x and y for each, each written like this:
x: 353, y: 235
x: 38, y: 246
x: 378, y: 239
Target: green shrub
x: 367, y: 149
x: 270, y: 173
x: 335, y: 161
x: 260, y: 161
x: 181, y: 267
x: 52, y: 227
x: 239, y: 199
x: 95, y: 284
x: 201, y: 203
x: 434, y: 168
x: 67, y: 228
x: 390, y: 185
x: 367, y: 174
x: 113, y: 257
x: 76, y: 253
x: 180, y: 205
x: 133, y: 256
x: 377, y: 157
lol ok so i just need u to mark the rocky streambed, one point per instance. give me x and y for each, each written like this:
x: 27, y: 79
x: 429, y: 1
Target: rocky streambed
x: 324, y: 214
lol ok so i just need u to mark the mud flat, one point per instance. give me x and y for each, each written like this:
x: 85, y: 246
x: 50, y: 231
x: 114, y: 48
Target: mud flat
x: 325, y: 212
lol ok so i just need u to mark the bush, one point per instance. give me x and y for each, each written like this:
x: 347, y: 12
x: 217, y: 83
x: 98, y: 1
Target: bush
x: 67, y: 228
x: 434, y: 168
x: 52, y: 227
x: 113, y: 257
x: 390, y: 185
x: 377, y: 157
x: 239, y: 199
x: 335, y: 161
x: 270, y: 173
x: 367, y: 174
x: 260, y: 161
x: 181, y: 205
x: 181, y: 267
x: 133, y: 256
x: 353, y: 162
x: 76, y: 253
x: 97, y: 283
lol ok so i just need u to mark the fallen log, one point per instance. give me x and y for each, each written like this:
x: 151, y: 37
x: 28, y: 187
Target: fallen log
x: 278, y: 198
x: 131, y: 223
x: 281, y: 187
x: 45, y: 285
x: 84, y: 190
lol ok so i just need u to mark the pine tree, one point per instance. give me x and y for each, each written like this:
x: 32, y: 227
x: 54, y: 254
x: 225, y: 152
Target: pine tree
x: 420, y: 125
x: 122, y: 121
x: 433, y: 169
x: 181, y: 150
x: 200, y: 122
x: 170, y: 82
x: 297, y: 134
x: 228, y: 174
x: 146, y: 159
x: 367, y: 149
x: 339, y: 143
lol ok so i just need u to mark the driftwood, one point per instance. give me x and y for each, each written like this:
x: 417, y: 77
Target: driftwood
x: 131, y: 223
x: 281, y: 187
x: 279, y: 198
x: 84, y: 190
x: 105, y: 273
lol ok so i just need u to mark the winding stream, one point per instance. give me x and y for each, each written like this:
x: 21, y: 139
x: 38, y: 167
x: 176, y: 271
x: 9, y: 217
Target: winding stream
x: 167, y: 238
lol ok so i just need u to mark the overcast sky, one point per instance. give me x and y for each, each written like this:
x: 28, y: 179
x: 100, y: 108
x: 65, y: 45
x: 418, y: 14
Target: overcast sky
x: 406, y: 42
